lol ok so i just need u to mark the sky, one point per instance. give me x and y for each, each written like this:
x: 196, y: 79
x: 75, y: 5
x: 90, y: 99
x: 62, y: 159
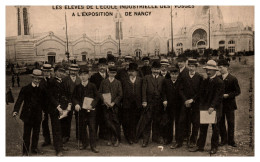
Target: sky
x: 45, y: 18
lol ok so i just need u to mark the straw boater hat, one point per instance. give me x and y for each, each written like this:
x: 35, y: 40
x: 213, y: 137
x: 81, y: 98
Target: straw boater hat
x: 211, y: 64
x: 46, y: 67
x: 74, y: 67
x: 37, y: 73
x: 128, y: 57
x: 164, y: 62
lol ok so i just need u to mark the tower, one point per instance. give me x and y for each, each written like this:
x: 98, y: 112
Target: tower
x: 23, y: 21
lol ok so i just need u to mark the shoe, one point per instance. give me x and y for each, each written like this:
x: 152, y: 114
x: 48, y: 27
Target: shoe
x: 83, y: 147
x: 191, y: 145
x: 116, y: 144
x: 36, y: 151
x: 95, y: 150
x: 46, y: 144
x: 25, y: 154
x: 130, y: 142
x: 213, y: 151
x: 176, y: 146
x: 144, y: 144
x: 196, y: 149
x: 64, y: 148
x: 109, y: 143
x: 233, y: 144
x: 59, y: 153
x: 222, y: 143
x: 65, y: 140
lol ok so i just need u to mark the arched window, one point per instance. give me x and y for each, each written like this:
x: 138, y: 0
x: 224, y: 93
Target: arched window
x: 231, y: 42
x: 231, y: 47
x: 221, y: 42
x: 109, y: 53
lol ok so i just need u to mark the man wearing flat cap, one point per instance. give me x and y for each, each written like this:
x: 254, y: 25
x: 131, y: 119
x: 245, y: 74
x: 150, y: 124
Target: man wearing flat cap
x: 132, y: 103
x: 46, y: 70
x: 59, y: 104
x: 70, y: 82
x: 211, y: 96
x: 172, y: 102
x: 31, y: 114
x: 146, y: 69
x: 97, y: 78
x: 189, y: 114
x: 152, y: 97
x: 232, y: 90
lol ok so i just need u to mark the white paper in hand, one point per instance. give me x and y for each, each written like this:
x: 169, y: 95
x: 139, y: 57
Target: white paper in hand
x: 206, y: 118
x: 87, y: 103
x: 107, y: 97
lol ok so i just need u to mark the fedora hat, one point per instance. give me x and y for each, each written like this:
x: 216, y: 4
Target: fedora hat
x: 74, y: 67
x: 37, y: 73
x: 212, y: 65
x: 59, y: 67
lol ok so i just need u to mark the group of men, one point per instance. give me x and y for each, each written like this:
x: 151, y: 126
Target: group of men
x: 161, y: 100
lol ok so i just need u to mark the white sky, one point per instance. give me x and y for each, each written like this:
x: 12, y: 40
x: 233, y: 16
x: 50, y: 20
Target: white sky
x: 45, y: 19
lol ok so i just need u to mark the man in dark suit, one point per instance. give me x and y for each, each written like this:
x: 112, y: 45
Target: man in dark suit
x: 70, y: 83
x: 59, y: 105
x: 31, y: 114
x: 164, y: 66
x: 171, y: 103
x: 211, y: 95
x: 232, y: 90
x: 146, y: 69
x: 189, y: 91
x: 46, y: 69
x: 87, y: 115
x: 97, y: 79
x: 152, y: 97
x: 132, y: 103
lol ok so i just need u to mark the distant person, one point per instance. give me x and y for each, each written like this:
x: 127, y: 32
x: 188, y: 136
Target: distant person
x: 13, y: 79
x: 18, y: 79
x: 146, y: 69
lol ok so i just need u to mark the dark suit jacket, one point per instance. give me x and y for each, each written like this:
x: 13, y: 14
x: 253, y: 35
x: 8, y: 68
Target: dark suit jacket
x: 132, y: 92
x: 70, y: 85
x: 211, y: 94
x: 232, y: 89
x: 190, y: 88
x: 146, y: 70
x: 44, y: 87
x: 115, y: 88
x: 152, y: 88
x: 58, y: 95
x: 97, y: 79
x: 32, y: 107
x: 167, y: 76
x: 184, y: 72
x: 89, y: 91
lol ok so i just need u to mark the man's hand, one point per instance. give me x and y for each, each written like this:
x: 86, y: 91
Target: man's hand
x: 225, y: 95
x: 210, y: 110
x: 77, y: 107
x: 59, y: 108
x: 14, y: 114
x: 112, y: 104
x: 144, y: 104
x: 69, y: 107
x: 164, y: 105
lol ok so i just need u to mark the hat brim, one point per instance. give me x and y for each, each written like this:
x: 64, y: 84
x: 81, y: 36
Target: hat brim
x: 210, y: 68
x: 36, y: 76
x: 74, y: 69
x: 165, y: 64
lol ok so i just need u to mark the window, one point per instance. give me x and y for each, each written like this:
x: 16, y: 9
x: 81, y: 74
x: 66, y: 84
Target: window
x: 179, y: 44
x: 231, y: 42
x: 84, y: 58
x: 231, y: 49
x: 221, y: 42
x: 157, y: 52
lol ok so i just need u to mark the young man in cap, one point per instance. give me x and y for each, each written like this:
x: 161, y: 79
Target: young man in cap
x: 164, y: 65
x: 46, y: 69
x: 113, y: 87
x: 171, y: 104
x: 211, y: 96
x: 152, y: 101
x: 146, y: 69
x: 97, y: 79
x: 232, y: 90
x: 189, y: 114
x: 111, y: 61
x: 70, y: 83
x: 59, y: 103
x: 31, y: 114
x: 87, y: 115
x: 132, y: 103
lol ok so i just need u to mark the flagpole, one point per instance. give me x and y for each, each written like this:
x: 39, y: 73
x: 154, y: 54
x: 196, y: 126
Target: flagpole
x: 119, y: 52
x: 209, y: 28
x: 67, y: 43
x: 171, y: 31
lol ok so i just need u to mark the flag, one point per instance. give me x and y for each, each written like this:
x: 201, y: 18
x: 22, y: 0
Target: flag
x: 119, y: 30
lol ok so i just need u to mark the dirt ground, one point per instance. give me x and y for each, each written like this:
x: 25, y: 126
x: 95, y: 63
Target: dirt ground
x: 244, y: 128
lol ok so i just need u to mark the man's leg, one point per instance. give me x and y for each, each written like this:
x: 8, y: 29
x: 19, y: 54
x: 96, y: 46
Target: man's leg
x: 27, y: 128
x: 222, y: 128
x: 231, y: 127
x: 35, y: 136
x: 46, y: 130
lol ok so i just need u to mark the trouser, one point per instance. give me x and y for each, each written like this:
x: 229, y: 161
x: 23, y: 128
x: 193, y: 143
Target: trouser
x: 18, y: 83
x: 56, y: 131
x: 29, y: 127
x: 156, y: 110
x: 203, y: 135
x: 66, y: 125
x: 176, y: 122
x: 77, y: 124
x: 130, y: 117
x: 88, y: 119
x: 45, y: 128
x: 100, y: 122
x: 227, y: 135
x: 112, y: 123
x: 188, y: 117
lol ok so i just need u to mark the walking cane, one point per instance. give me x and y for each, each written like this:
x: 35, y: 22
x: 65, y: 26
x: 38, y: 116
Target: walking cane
x: 19, y: 134
x: 78, y: 131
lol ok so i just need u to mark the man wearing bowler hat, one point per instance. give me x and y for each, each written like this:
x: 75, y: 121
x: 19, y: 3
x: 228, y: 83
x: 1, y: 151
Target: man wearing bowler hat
x: 132, y: 103
x: 232, y: 90
x: 70, y: 82
x: 146, y: 69
x: 31, y: 114
x: 97, y: 79
x: 211, y: 96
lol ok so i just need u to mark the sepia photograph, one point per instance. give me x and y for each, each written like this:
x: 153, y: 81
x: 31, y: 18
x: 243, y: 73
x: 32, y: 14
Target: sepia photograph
x: 129, y: 80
